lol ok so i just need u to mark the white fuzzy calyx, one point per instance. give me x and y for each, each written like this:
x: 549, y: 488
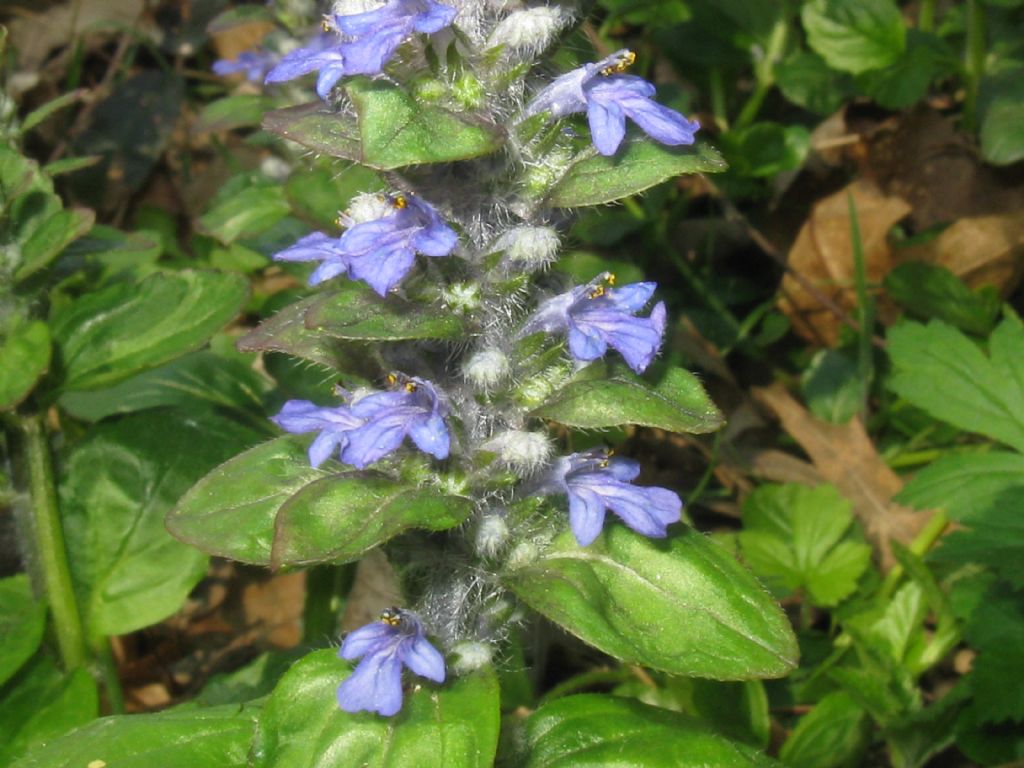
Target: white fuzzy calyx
x: 529, y: 31
x: 352, y: 7
x: 491, y: 535
x: 469, y: 656
x: 534, y: 246
x: 487, y: 368
x: 366, y: 206
x: 521, y: 450
x: 461, y: 297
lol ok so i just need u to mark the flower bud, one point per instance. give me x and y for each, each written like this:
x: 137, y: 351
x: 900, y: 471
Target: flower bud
x: 491, y: 535
x: 461, y: 297
x: 529, y: 31
x: 520, y: 450
x: 535, y: 246
x: 487, y: 368
x: 524, y: 554
x: 469, y: 656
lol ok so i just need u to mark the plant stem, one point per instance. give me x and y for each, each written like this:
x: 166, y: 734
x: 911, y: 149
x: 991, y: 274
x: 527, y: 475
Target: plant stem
x: 764, y: 71
x: 974, y: 60
x: 111, y: 681
x: 926, y: 16
x: 50, y: 552
x: 716, y: 88
x: 326, y: 589
x: 599, y: 676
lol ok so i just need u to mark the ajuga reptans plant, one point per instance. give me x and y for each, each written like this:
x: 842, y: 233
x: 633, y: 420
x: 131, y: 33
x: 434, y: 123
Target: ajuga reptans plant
x: 457, y: 350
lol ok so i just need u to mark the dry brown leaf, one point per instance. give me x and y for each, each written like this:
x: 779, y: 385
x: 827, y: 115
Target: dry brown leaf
x: 276, y: 605
x: 985, y: 250
x: 845, y: 456
x: 823, y: 254
x: 375, y: 587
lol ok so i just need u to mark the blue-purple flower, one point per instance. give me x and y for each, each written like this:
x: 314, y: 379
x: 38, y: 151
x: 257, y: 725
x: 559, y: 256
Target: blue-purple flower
x: 609, y: 97
x: 596, y: 482
x: 367, y: 42
x: 368, y: 427
x: 381, y: 251
x: 386, y: 645
x: 599, y: 315
x: 255, y: 65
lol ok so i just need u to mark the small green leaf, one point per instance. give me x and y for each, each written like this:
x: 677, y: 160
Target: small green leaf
x: 22, y: 619
x: 832, y: 386
x: 215, y: 737
x: 252, y: 210
x: 240, y: 16
x: 639, y: 164
x: 24, y: 358
x: 906, y: 81
x: 928, y: 291
x: 357, y: 313
x: 51, y: 237
x: 107, y: 336
x: 342, y: 517
x: 766, y: 149
x: 449, y: 726
x: 855, y: 35
x: 796, y: 537
x: 1001, y: 103
x: 806, y: 80
x: 978, y: 394
x: 117, y: 487
x: 996, y: 630
x: 677, y: 402
x: 835, y: 734
x: 231, y: 511
x: 38, y: 115
x: 589, y: 731
x: 41, y: 704
x: 319, y: 193
x: 239, y: 111
x: 197, y: 379
x: 392, y: 130
x: 712, y: 617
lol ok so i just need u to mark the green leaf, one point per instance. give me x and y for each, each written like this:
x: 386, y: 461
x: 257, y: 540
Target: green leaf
x: 51, y: 237
x: 231, y: 511
x: 391, y: 131
x: 107, y: 336
x: 996, y: 629
x: 978, y: 394
x: 249, y: 212
x: 766, y: 149
x: 855, y: 35
x: 639, y: 164
x: 253, y: 681
x: 1001, y: 104
x: 70, y: 165
x: 929, y: 291
x: 713, y: 619
x: 835, y: 734
x: 22, y: 619
x: 238, y: 111
x: 677, y: 402
x: 199, y: 379
x: 449, y: 726
x: 38, y: 115
x: 832, y: 386
x: 796, y: 537
x: 117, y: 487
x: 907, y: 80
x: 41, y: 704
x: 342, y: 517
x: 216, y: 737
x: 589, y: 731
x: 320, y: 192
x: 806, y: 80
x: 24, y: 358
x: 114, y: 253
x: 357, y: 313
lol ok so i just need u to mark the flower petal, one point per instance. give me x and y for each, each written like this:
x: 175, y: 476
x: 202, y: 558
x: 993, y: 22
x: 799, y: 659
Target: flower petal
x: 586, y: 514
x: 374, y: 686
x: 423, y: 658
x: 585, y: 342
x: 660, y: 123
x: 607, y: 126
x: 324, y: 445
x: 359, y: 642
x: 373, y: 441
x: 431, y: 436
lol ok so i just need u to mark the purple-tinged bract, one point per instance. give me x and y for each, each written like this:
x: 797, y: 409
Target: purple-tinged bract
x: 609, y: 97
x: 385, y: 646
x: 596, y: 482
x: 598, y: 315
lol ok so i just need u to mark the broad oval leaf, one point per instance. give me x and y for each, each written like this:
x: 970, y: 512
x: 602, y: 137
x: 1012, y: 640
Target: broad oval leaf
x: 454, y: 725
x: 117, y: 487
x: 357, y: 313
x: 834, y: 734
x: 391, y: 129
x: 342, y: 517
x: 214, y: 737
x: 231, y: 511
x: 855, y: 35
x: 52, y: 237
x: 638, y: 165
x: 125, y: 329
x: 682, y: 605
x: 592, y: 731
x: 677, y: 403
x: 24, y: 357
x: 22, y: 619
